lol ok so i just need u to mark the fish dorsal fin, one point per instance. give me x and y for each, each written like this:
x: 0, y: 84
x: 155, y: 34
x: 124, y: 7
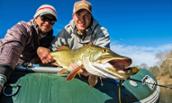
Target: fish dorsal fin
x: 63, y: 71
x: 63, y: 48
x: 88, y: 44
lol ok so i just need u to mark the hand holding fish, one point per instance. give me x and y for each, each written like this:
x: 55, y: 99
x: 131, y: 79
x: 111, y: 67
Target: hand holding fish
x: 45, y: 57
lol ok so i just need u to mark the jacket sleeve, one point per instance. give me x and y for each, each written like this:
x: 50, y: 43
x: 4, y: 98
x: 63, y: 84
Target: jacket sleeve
x: 12, y: 45
x: 102, y: 37
x: 61, y: 39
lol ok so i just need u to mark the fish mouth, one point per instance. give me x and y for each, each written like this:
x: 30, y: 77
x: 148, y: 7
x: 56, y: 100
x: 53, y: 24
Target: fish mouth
x: 118, y: 63
x: 115, y: 68
x: 109, y: 67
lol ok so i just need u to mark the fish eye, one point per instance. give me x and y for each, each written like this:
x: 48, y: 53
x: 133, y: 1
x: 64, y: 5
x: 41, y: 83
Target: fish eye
x: 104, y: 50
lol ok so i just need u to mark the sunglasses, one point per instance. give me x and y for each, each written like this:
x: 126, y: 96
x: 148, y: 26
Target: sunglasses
x: 49, y: 19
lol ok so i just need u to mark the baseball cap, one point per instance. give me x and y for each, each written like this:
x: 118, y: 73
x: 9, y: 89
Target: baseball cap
x: 82, y: 5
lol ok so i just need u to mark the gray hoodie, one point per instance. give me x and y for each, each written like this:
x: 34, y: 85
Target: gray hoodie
x: 95, y: 34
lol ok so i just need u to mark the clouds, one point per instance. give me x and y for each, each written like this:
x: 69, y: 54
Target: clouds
x: 142, y: 54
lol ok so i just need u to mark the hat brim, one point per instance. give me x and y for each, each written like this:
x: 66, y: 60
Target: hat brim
x: 48, y: 13
x: 82, y: 9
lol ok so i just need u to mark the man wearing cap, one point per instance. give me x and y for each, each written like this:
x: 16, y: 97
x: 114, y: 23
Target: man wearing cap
x: 22, y: 40
x: 82, y: 29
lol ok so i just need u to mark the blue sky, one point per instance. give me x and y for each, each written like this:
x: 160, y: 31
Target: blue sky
x: 131, y: 23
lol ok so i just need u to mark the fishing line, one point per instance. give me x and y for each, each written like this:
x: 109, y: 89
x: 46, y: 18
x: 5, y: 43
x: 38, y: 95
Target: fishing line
x: 160, y: 85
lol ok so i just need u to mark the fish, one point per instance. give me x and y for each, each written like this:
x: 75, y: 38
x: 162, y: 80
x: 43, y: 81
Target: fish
x: 97, y: 61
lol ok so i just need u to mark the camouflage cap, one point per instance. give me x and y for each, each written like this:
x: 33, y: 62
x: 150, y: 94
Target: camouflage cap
x: 82, y: 5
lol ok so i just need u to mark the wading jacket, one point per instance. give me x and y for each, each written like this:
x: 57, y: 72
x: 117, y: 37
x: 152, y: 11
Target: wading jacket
x: 21, y: 42
x: 95, y: 34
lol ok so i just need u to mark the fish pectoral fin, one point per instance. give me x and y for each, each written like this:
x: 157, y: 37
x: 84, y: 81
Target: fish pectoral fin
x: 73, y: 73
x: 63, y: 48
x: 63, y: 71
x: 92, y: 80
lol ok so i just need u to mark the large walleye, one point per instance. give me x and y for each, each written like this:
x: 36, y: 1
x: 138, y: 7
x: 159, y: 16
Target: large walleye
x: 97, y: 61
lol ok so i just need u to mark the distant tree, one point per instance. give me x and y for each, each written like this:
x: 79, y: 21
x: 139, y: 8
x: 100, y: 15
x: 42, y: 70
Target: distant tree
x: 165, y: 67
x: 155, y: 70
x: 143, y: 65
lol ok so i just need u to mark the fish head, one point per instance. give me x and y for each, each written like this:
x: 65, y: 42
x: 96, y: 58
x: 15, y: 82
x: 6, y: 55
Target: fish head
x: 105, y: 55
x: 106, y: 63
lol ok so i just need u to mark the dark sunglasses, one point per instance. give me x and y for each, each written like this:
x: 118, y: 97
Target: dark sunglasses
x: 49, y: 19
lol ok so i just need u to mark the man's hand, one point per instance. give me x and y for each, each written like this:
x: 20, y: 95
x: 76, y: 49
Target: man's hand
x: 44, y: 55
